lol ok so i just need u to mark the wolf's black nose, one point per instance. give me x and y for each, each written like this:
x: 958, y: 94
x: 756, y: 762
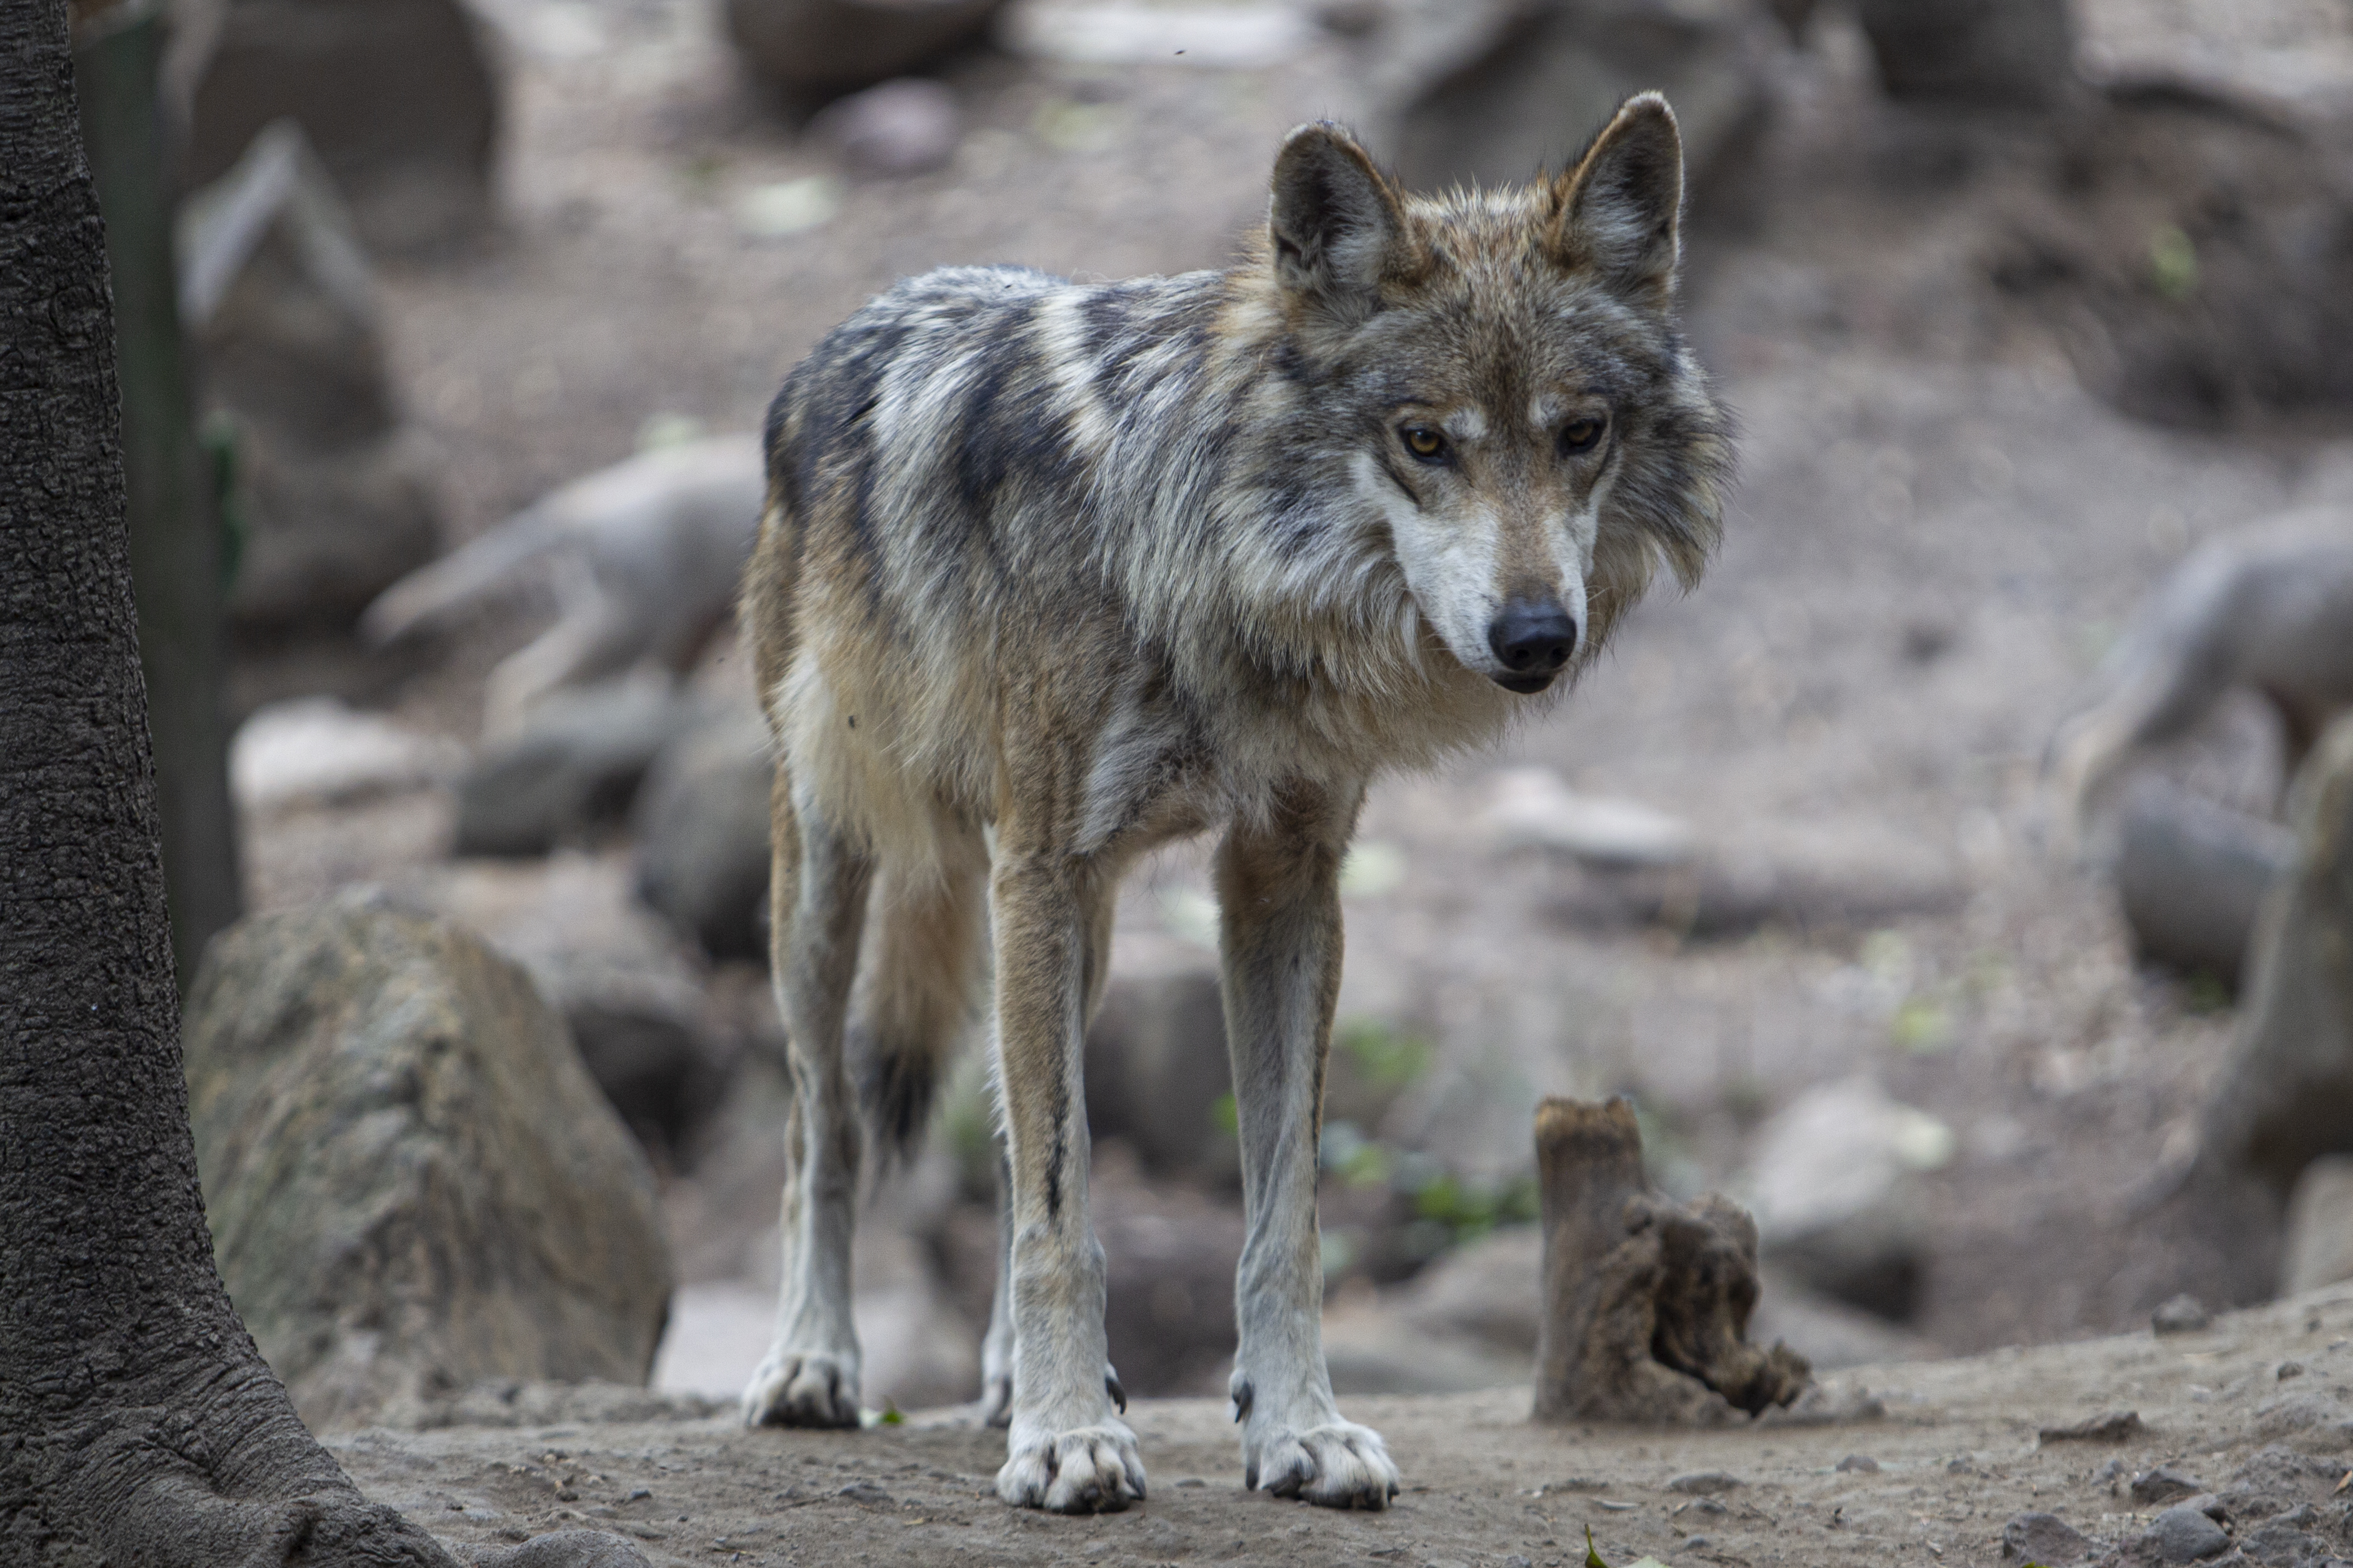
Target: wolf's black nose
x: 1534, y: 639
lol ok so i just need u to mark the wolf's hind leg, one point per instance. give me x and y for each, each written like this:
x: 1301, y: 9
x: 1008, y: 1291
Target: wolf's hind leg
x: 1066, y: 1450
x: 810, y: 1375
x: 1279, y: 896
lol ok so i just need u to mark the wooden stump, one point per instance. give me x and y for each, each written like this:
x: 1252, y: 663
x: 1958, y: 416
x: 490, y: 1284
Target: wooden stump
x: 1646, y: 1302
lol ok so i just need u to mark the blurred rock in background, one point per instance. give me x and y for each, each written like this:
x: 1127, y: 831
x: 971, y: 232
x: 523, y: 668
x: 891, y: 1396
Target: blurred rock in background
x: 1837, y: 1184
x: 700, y: 824
x: 904, y: 126
x: 401, y: 99
x: 2285, y: 1097
x: 571, y: 767
x: 1981, y: 53
x: 2193, y: 876
x: 412, y: 1184
x: 1157, y: 1070
x: 329, y: 491
x: 1488, y: 92
x: 818, y: 48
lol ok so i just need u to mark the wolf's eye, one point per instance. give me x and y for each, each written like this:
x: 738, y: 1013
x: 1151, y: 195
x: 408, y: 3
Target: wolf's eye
x: 1423, y: 442
x: 1582, y: 434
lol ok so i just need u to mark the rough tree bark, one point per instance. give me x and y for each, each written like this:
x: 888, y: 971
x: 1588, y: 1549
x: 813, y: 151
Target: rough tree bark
x: 137, y: 1422
x: 1646, y: 1300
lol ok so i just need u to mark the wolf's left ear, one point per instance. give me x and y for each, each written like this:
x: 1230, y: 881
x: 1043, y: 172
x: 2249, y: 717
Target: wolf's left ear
x: 1617, y: 210
x: 1335, y: 221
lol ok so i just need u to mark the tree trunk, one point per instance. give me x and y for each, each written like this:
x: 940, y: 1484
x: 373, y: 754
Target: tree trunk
x: 175, y: 558
x: 137, y: 1422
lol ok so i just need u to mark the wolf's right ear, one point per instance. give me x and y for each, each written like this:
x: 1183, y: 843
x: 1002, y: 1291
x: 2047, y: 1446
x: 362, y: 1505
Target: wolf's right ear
x: 1334, y: 222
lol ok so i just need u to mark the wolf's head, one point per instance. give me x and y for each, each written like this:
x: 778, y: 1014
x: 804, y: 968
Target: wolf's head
x: 1500, y: 372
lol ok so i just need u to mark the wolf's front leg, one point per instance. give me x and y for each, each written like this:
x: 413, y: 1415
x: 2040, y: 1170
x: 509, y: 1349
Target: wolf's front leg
x: 1066, y: 1450
x: 1279, y: 896
x: 810, y: 1375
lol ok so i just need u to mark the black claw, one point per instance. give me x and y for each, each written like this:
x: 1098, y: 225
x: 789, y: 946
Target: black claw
x: 1250, y: 1478
x: 1113, y: 1387
x: 1242, y: 1395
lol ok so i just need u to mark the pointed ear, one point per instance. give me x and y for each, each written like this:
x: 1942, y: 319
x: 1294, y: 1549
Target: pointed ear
x: 1619, y: 209
x: 1335, y: 222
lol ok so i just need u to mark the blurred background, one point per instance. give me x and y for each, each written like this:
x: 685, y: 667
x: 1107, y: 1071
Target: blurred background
x: 2022, y: 305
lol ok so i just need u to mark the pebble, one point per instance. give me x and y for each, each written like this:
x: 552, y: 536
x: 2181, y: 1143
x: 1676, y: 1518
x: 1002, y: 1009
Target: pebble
x: 1863, y: 1463
x: 1701, y: 1482
x: 2163, y: 1484
x: 2184, y: 1314
x: 2183, y: 1535
x: 2042, y: 1538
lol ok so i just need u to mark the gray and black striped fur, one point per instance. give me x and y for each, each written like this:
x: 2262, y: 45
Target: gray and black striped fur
x: 1052, y: 573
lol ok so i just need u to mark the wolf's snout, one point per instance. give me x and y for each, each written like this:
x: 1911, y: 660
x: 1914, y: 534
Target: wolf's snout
x: 1533, y: 641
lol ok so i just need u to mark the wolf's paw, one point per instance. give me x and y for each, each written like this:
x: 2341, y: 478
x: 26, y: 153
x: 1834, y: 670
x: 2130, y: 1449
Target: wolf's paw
x: 1336, y: 1465
x: 1088, y: 1469
x: 997, y: 1400
x: 803, y: 1388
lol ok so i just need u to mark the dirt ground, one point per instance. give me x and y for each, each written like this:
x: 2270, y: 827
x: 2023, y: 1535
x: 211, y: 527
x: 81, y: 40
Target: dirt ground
x: 1937, y: 532
x: 1954, y: 1455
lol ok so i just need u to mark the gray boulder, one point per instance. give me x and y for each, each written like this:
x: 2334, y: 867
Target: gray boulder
x: 2193, y: 876
x: 2318, y: 1248
x: 2285, y: 1097
x: 823, y: 46
x: 634, y: 1001
x: 904, y: 126
x: 573, y: 764
x: 701, y: 828
x: 412, y: 1183
x: 1841, y: 1204
x: 1156, y: 1057
x: 2004, y: 52
x: 1487, y: 91
x: 400, y: 96
x: 280, y: 304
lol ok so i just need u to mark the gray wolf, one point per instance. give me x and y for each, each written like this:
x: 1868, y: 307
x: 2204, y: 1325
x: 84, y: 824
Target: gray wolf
x: 1051, y: 574
x: 648, y: 553
x: 2269, y: 608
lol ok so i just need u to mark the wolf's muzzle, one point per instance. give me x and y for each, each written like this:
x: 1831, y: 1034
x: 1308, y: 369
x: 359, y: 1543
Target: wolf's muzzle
x: 1534, y: 639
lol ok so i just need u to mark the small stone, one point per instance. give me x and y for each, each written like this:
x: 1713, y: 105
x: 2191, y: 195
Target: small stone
x: 902, y: 127
x: 2042, y: 1538
x: 1691, y: 1543
x: 2115, y: 1426
x: 1863, y: 1463
x: 1702, y: 1483
x: 2164, y: 1485
x: 1515, y: 1560
x: 2286, y: 1370
x: 2184, y: 1314
x: 2184, y: 1534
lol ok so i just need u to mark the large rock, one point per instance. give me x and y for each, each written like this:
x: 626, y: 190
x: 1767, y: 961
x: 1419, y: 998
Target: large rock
x: 413, y: 1184
x: 701, y: 828
x: 823, y: 46
x: 2318, y: 1247
x: 2285, y: 1097
x: 400, y: 96
x: 1485, y: 91
x: 571, y: 766
x: 634, y: 1000
x: 279, y: 300
x: 2004, y: 52
x: 1156, y: 1061
x: 2193, y: 876
x: 1836, y: 1183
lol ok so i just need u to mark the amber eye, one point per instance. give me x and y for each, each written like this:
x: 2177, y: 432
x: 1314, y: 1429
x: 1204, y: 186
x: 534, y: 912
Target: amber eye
x: 1582, y: 434
x: 1423, y: 442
